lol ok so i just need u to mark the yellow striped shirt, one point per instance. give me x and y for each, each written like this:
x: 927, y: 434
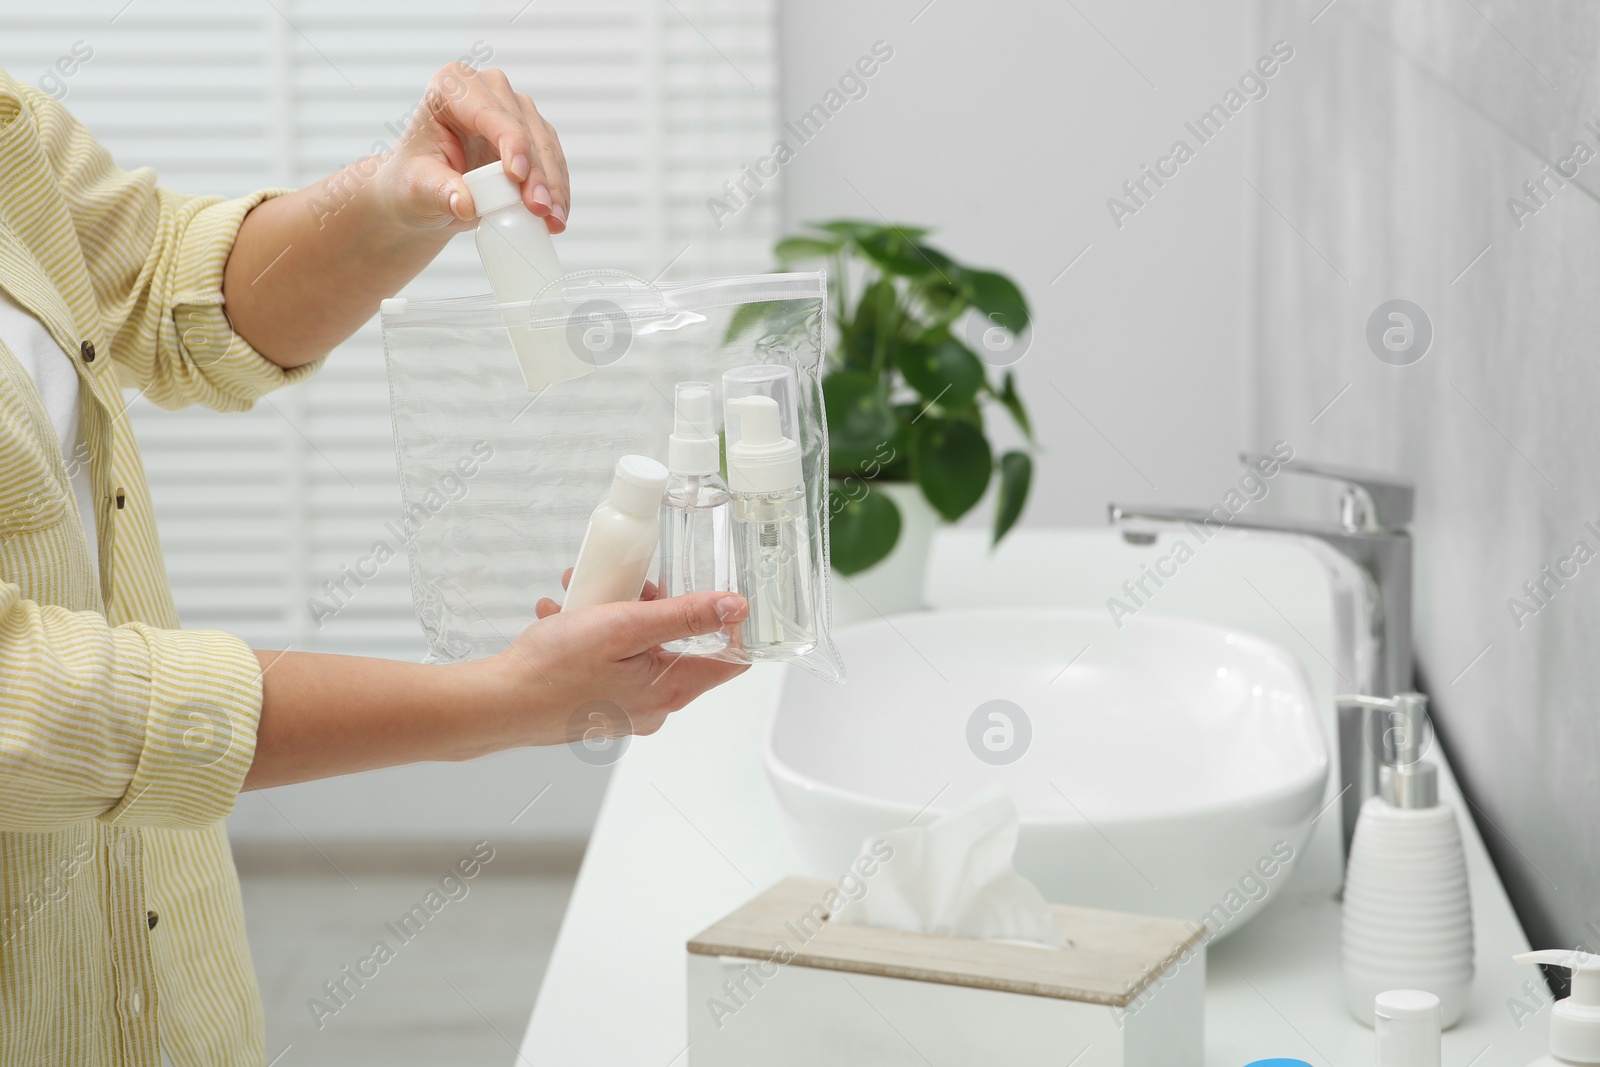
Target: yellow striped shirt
x: 123, y: 740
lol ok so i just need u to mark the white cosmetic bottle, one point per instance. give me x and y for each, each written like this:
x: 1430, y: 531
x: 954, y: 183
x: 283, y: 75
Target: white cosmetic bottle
x: 617, y: 548
x: 1407, y: 1022
x: 1575, y: 1020
x: 519, y: 257
x: 696, y: 549
x: 772, y: 542
x: 1407, y: 911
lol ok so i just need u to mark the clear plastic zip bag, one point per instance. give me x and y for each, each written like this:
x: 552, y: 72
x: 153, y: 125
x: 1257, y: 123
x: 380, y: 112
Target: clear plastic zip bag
x: 719, y: 381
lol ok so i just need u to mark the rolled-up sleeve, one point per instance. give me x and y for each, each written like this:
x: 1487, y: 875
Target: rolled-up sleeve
x: 129, y: 724
x: 155, y: 258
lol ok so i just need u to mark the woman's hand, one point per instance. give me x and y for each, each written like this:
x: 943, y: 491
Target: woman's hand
x: 307, y: 269
x: 469, y: 118
x: 325, y: 715
x: 611, y: 654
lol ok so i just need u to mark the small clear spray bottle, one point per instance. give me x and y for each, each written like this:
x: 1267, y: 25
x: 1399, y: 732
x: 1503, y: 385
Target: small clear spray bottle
x: 772, y: 542
x: 696, y: 549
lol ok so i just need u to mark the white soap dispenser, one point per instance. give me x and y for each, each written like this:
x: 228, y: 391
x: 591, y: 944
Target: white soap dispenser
x: 696, y: 546
x: 1407, y: 1025
x: 519, y: 257
x: 1407, y: 913
x: 1575, y: 1020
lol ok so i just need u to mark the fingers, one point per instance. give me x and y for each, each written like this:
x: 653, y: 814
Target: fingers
x: 552, y: 160
x: 647, y: 624
x: 483, y: 104
x: 545, y: 608
x: 682, y: 679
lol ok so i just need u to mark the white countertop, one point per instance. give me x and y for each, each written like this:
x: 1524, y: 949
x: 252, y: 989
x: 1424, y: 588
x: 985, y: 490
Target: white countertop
x: 689, y: 831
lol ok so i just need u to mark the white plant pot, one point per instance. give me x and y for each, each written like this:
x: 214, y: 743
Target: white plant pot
x: 895, y: 583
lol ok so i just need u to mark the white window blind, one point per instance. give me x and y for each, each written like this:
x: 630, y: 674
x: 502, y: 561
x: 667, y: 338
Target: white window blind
x: 658, y: 103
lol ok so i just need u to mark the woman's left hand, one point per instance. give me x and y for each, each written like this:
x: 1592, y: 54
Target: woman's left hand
x: 469, y: 118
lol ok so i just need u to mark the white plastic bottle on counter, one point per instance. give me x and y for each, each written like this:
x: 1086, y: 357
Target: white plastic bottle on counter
x: 1575, y: 1020
x: 696, y: 549
x: 1407, y: 1025
x: 519, y: 257
x: 1407, y: 909
x: 614, y: 559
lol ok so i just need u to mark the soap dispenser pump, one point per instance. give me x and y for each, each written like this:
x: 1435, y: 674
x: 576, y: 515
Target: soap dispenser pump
x: 1407, y: 920
x: 1575, y: 1020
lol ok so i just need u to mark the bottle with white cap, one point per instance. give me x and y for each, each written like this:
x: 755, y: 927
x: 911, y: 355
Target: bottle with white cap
x: 621, y: 540
x: 1407, y: 917
x: 1407, y: 1024
x: 1575, y: 1020
x: 696, y: 550
x: 519, y: 257
x: 772, y: 542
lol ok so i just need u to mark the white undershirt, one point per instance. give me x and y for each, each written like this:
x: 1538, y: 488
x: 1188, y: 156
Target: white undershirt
x: 56, y: 379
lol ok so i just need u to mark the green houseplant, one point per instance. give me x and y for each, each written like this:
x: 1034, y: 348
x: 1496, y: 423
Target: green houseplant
x: 906, y: 394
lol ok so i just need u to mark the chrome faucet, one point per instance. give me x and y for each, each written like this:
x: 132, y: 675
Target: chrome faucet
x: 1369, y: 544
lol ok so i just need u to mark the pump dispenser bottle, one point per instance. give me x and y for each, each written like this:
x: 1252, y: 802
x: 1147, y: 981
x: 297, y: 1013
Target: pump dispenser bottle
x: 615, y: 556
x: 772, y: 546
x: 696, y: 550
x: 1407, y: 913
x: 520, y: 259
x: 1575, y: 1020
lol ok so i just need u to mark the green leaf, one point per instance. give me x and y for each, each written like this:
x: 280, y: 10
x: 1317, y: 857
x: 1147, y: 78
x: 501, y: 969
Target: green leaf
x: 895, y: 252
x: 792, y: 248
x: 859, y: 337
x: 952, y: 462
x: 863, y: 526
x: 1013, y: 403
x: 1016, y: 474
x: 998, y: 299
x: 942, y: 369
x: 854, y: 230
x: 937, y: 300
x: 860, y: 422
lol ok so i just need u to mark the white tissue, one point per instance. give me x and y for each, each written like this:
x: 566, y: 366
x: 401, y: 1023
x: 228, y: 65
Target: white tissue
x: 954, y: 878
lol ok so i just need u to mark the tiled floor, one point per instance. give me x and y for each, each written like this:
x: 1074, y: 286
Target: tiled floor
x: 456, y: 985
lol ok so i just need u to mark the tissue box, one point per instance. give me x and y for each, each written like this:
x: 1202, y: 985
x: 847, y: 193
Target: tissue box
x: 774, y: 984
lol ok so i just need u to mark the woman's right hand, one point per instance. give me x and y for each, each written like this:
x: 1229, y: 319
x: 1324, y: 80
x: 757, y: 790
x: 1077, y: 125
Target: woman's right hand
x: 610, y: 654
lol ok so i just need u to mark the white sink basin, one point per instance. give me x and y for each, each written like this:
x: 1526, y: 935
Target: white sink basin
x: 1174, y: 766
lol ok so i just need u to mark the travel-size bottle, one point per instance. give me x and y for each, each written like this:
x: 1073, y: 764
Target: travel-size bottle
x: 696, y: 545
x: 621, y: 540
x: 520, y: 259
x: 771, y: 532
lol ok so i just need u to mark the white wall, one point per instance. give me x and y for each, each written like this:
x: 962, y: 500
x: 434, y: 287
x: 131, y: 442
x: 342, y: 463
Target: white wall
x: 1006, y: 125
x: 1416, y: 125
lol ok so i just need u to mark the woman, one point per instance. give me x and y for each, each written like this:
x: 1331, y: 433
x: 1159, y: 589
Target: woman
x: 123, y: 739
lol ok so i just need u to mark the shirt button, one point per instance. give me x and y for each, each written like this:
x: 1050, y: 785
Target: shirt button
x: 121, y: 500
x: 152, y: 918
x: 87, y: 350
x: 135, y: 1004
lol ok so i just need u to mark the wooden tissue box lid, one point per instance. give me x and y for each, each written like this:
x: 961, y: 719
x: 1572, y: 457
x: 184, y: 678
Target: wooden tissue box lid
x: 1111, y: 957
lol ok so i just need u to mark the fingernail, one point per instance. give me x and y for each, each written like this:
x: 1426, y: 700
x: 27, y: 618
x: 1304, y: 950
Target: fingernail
x: 559, y: 212
x: 519, y: 166
x: 541, y: 195
x: 455, y: 204
x: 729, y: 608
